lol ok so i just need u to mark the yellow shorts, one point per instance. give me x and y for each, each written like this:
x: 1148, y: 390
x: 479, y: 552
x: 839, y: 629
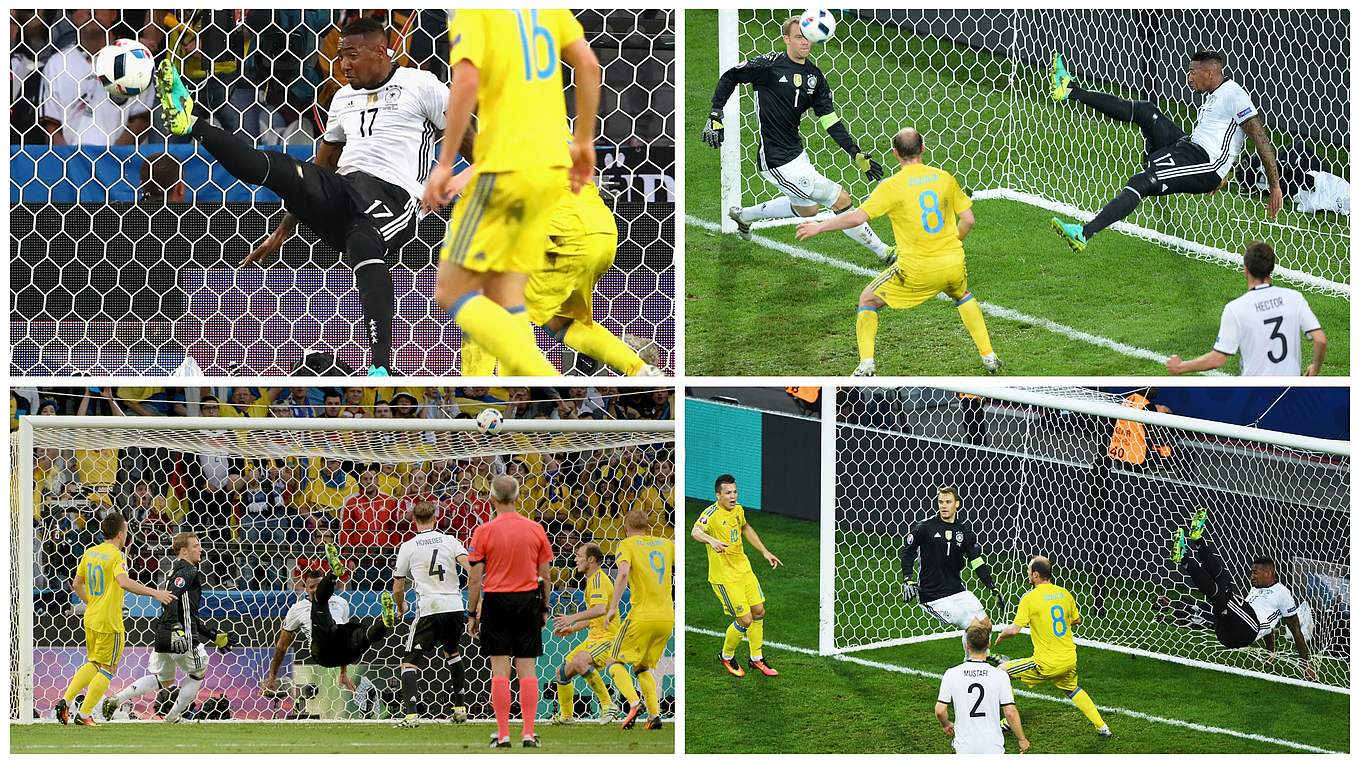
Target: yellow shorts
x: 738, y: 598
x: 905, y: 288
x: 104, y: 647
x: 1031, y: 673
x: 565, y: 285
x: 599, y: 650
x: 500, y: 223
x: 641, y: 642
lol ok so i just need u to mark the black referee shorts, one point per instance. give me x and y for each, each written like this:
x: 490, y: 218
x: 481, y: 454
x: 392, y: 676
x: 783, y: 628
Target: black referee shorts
x: 441, y: 634
x: 512, y: 624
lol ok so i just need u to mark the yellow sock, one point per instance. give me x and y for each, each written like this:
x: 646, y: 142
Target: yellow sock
x: 98, y: 685
x: 735, y: 633
x: 595, y: 340
x: 596, y: 684
x: 623, y: 681
x: 971, y: 314
x: 566, y: 696
x: 647, y: 683
x: 1084, y: 703
x: 526, y: 329
x: 755, y: 637
x: 79, y: 681
x: 503, y: 335
x: 475, y: 361
x: 866, y: 331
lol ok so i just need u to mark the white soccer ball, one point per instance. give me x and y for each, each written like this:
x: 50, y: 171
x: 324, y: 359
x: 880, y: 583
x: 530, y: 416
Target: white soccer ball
x: 489, y: 420
x: 124, y: 68
x: 817, y: 24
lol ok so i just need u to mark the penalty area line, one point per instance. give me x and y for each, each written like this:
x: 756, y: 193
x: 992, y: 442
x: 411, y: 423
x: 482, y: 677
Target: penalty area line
x: 989, y: 308
x: 1104, y: 708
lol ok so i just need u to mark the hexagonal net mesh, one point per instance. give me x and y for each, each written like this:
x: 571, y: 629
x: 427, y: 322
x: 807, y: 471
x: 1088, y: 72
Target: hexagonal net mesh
x: 974, y: 82
x: 1099, y: 488
x: 127, y: 244
x: 264, y: 496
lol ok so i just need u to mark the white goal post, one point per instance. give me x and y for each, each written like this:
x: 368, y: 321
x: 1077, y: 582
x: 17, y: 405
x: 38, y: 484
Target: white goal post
x: 974, y: 82
x: 1098, y: 486
x: 264, y: 494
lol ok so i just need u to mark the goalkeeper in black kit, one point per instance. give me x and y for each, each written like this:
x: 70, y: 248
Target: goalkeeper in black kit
x: 945, y: 544
x: 787, y: 84
x: 181, y: 636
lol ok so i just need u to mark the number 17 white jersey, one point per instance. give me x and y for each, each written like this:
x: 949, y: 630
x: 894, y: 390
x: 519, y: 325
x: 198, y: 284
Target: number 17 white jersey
x: 977, y: 691
x: 430, y: 560
x: 1265, y: 325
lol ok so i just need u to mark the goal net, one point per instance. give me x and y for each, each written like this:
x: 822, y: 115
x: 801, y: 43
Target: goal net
x: 1098, y: 487
x: 264, y: 495
x: 975, y: 83
x: 117, y: 269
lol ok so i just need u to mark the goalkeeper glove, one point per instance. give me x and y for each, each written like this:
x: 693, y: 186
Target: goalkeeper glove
x: 222, y: 641
x: 871, y: 168
x: 909, y: 590
x: 713, y: 130
x: 179, y: 643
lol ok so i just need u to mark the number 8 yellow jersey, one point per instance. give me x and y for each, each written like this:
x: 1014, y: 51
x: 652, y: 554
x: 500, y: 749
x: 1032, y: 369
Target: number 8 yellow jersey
x: 924, y: 204
x: 1050, y: 612
x: 651, y: 560
x: 518, y: 55
x: 98, y: 571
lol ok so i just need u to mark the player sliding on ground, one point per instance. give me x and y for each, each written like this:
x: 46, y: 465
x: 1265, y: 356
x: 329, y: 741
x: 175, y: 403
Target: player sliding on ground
x: 787, y: 84
x: 1050, y: 613
x: 945, y: 545
x: 359, y: 195
x: 592, y: 654
x: 101, y: 578
x: 931, y: 215
x: 1174, y: 162
x: 1239, y: 622
x: 721, y: 528
x: 180, y: 636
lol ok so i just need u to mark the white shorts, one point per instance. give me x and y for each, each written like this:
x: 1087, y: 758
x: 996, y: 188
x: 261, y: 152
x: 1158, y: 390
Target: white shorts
x: 957, y: 610
x: 966, y: 745
x: 193, y: 662
x: 802, y: 184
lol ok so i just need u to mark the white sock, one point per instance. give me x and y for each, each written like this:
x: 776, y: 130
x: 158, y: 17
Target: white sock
x: 188, y: 692
x: 778, y: 208
x: 144, y: 685
x: 865, y: 236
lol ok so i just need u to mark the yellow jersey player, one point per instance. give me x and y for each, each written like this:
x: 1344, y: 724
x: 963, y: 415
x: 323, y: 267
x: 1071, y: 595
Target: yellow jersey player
x: 1050, y: 613
x: 101, y: 578
x: 931, y: 215
x: 507, y: 65
x: 593, y: 653
x: 722, y: 527
x: 645, y: 564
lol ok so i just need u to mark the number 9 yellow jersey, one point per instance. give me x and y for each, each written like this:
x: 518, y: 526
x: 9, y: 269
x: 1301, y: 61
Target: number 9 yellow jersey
x: 651, y: 560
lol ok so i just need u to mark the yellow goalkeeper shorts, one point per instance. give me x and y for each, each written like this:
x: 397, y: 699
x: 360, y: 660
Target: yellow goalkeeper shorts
x: 738, y: 598
x: 1032, y: 673
x: 641, y: 642
x: 565, y: 286
x: 599, y: 650
x: 500, y: 223
x: 906, y: 286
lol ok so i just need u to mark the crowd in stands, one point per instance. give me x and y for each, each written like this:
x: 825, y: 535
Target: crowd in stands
x: 264, y: 519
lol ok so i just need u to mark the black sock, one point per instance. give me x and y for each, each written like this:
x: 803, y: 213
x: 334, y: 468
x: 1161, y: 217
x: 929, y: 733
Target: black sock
x: 366, y: 252
x: 244, y: 161
x: 1122, y: 205
x: 408, y: 689
x: 1116, y: 108
x: 459, y: 680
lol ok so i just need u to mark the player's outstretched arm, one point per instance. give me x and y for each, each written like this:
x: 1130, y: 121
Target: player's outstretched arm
x: 586, y: 73
x: 271, y: 676
x: 1202, y: 363
x: 842, y: 221
x: 751, y: 536
x: 327, y: 157
x: 1256, y: 130
x: 1013, y: 720
x: 1319, y: 339
x: 1010, y: 630
x: 1296, y: 631
x: 699, y: 534
x: 160, y: 595
x: 621, y: 576
x: 907, y: 558
x: 399, y: 594
x: 831, y: 121
x: 457, y: 118
x: 474, y: 597
x: 966, y: 222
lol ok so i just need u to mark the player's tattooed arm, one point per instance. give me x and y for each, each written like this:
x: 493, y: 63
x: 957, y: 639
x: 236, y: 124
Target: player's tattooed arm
x: 1256, y: 130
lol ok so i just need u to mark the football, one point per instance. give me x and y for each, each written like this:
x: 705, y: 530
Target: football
x: 817, y: 24
x: 124, y: 68
x: 489, y: 420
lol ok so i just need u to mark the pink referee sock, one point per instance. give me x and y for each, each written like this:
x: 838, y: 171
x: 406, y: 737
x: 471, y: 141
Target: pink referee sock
x: 528, y: 702
x: 500, y: 703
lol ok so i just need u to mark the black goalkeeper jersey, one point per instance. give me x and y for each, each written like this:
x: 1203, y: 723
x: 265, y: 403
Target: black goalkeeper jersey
x: 186, y: 583
x: 944, y: 549
x: 784, y: 92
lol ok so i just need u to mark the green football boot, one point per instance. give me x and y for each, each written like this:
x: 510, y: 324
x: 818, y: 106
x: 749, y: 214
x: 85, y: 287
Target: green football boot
x: 1178, y: 546
x: 1062, y: 81
x: 337, y: 566
x: 389, y: 609
x: 1070, y: 233
x: 177, y: 108
x: 1197, y: 522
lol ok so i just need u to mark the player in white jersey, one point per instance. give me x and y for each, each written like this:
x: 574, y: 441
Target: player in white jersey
x: 1264, y: 324
x: 431, y: 560
x: 979, y: 693
x: 359, y: 193
x: 1239, y: 622
x: 297, y: 629
x: 1174, y: 162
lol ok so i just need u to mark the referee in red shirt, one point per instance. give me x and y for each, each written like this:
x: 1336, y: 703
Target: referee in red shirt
x: 508, y: 600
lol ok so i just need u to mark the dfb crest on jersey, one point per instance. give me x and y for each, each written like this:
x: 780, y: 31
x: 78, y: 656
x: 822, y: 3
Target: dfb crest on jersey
x: 392, y: 94
x: 958, y: 538
x: 179, y: 581
x: 911, y: 539
x: 797, y: 80
x: 812, y: 83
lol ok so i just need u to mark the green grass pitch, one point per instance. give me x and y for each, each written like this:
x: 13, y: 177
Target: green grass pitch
x: 1129, y: 291
x: 312, y: 738
x: 826, y: 705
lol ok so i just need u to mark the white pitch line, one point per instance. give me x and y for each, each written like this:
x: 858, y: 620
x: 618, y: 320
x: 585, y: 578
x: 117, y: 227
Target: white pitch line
x: 1104, y: 708
x: 991, y: 309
